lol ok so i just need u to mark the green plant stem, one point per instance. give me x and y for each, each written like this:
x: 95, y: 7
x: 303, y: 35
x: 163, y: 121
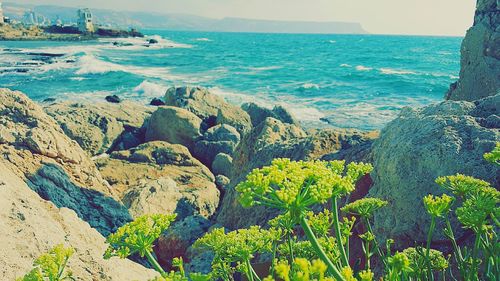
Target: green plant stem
x: 336, y: 225
x: 249, y: 270
x: 319, y: 251
x: 290, y: 248
x: 367, y: 254
x: 155, y: 264
x: 458, y: 252
x: 430, y: 276
x: 474, y: 255
x: 275, y: 246
x: 377, y: 247
x: 255, y: 275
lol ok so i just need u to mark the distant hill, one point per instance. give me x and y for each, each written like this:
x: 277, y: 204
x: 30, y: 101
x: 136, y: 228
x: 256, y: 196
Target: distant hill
x: 126, y: 19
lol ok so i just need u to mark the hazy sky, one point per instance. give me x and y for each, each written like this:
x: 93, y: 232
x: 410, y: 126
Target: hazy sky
x: 431, y: 17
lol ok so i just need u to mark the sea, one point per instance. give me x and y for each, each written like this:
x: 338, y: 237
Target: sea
x: 343, y: 81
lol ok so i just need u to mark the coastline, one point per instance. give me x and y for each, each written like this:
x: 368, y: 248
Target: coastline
x: 19, y: 32
x: 74, y: 171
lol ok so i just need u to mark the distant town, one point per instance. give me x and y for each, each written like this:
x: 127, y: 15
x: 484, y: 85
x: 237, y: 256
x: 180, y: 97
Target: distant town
x: 35, y: 26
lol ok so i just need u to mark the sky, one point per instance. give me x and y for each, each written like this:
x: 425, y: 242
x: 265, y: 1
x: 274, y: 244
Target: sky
x: 416, y: 17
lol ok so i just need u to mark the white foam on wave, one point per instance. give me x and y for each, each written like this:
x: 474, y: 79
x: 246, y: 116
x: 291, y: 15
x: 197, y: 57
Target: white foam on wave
x: 150, y: 89
x: 304, y: 113
x: 390, y: 71
x: 265, y: 68
x: 137, y: 43
x: 90, y: 64
x: 203, y: 40
x: 363, y: 68
x: 309, y: 86
x: 300, y: 111
x: 78, y: 78
x: 332, y: 41
x: 345, y: 65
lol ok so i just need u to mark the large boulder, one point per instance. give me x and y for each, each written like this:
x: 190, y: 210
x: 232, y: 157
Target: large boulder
x: 218, y: 139
x: 480, y: 61
x: 421, y: 145
x: 159, y: 177
x: 258, y: 114
x: 174, y: 125
x: 98, y: 127
x: 177, y: 241
x: 223, y: 164
x: 273, y: 139
x: 208, y: 107
x: 30, y: 226
x: 53, y: 165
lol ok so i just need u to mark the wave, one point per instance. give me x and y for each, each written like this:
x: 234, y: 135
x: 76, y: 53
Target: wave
x: 203, y: 39
x: 309, y: 86
x: 390, y: 71
x: 345, y: 65
x: 150, y: 89
x: 89, y: 64
x: 136, y: 43
x: 265, y: 68
x: 363, y: 68
x: 301, y: 112
x: 332, y: 41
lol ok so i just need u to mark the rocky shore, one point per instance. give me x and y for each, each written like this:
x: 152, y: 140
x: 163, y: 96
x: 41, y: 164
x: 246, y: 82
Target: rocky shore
x: 73, y: 172
x: 19, y: 32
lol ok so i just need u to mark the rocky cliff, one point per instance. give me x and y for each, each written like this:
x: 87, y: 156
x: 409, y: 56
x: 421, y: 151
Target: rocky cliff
x: 480, y: 56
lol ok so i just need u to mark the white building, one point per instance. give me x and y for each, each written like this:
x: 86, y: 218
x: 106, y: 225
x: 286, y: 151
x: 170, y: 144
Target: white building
x: 1, y: 13
x: 85, y: 24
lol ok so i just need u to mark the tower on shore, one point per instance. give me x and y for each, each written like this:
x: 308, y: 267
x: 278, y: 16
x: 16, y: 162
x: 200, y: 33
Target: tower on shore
x: 1, y: 13
x: 85, y: 22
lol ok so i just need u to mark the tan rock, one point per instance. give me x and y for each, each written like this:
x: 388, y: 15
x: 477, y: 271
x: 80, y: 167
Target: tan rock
x: 30, y: 226
x: 159, y: 177
x: 208, y: 106
x: 174, y: 125
x: 97, y: 127
x: 37, y: 150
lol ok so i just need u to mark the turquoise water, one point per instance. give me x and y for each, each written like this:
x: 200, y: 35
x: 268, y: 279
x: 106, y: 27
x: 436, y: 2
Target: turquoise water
x: 356, y: 81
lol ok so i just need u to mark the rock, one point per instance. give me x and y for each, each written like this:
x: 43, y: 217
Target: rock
x: 222, y: 133
x: 206, y: 106
x: 416, y: 148
x: 273, y: 139
x: 258, y: 114
x: 152, y: 41
x: 157, y: 196
x: 37, y: 150
x: 284, y: 115
x: 48, y: 100
x: 100, y: 127
x: 218, y: 139
x: 113, y: 99
x: 174, y: 125
x: 235, y: 119
x: 159, y: 177
x: 266, y: 137
x: 480, y: 56
x: 30, y: 226
x: 178, y: 239
x: 156, y: 102
x: 222, y: 164
x: 222, y: 182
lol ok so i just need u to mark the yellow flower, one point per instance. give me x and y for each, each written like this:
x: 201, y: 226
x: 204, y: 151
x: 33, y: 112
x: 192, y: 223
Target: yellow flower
x: 364, y: 207
x: 438, y: 206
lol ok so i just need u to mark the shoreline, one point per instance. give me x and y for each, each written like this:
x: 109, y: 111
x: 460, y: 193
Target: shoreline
x: 19, y: 32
